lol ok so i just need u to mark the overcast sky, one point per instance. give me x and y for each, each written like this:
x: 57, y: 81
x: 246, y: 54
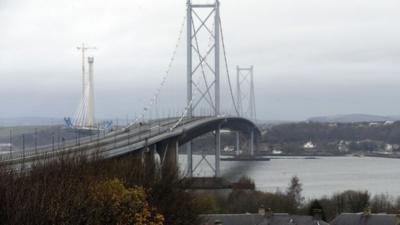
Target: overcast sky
x: 311, y: 57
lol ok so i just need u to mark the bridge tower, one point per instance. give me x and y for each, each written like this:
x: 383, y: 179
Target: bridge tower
x: 83, y: 49
x: 90, y: 95
x: 245, y: 99
x: 245, y: 92
x: 203, y: 22
x: 85, y: 115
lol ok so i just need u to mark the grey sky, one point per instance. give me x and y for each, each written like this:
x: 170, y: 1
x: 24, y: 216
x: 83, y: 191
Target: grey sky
x: 311, y: 57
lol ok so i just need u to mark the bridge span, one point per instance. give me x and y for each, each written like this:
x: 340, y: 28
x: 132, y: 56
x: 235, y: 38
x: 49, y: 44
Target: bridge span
x: 205, y: 47
x: 163, y: 137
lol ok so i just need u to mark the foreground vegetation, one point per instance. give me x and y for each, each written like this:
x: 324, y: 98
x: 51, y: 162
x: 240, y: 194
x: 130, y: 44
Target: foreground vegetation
x: 291, y: 201
x: 75, y: 191
x: 126, y: 191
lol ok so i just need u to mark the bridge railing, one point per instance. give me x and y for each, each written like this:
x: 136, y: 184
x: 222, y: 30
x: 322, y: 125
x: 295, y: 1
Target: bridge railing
x: 103, y: 143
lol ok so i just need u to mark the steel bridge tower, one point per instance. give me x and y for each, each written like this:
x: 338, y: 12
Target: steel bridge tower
x: 203, y: 24
x: 245, y: 99
x: 245, y: 92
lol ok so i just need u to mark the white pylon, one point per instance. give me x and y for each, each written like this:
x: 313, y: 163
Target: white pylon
x: 84, y: 48
x: 84, y: 117
x: 90, y: 85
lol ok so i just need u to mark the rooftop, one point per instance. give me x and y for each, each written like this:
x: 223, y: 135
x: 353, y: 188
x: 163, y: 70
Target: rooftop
x: 366, y: 219
x: 257, y: 219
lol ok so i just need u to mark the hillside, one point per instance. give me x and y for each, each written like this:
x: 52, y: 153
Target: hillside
x: 352, y: 118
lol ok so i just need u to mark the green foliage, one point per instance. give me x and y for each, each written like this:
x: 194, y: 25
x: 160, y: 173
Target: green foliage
x: 75, y: 191
x: 206, y: 203
x: 242, y: 201
x: 344, y: 202
x: 112, y: 203
x: 175, y: 204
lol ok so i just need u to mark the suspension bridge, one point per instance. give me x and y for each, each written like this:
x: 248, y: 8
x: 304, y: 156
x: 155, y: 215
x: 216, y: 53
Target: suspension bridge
x: 205, y: 47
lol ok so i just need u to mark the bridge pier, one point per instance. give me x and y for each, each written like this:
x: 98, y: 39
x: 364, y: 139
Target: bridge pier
x: 189, y: 159
x: 252, y: 142
x: 169, y: 156
x: 217, y: 151
x: 149, y: 161
x: 237, y: 143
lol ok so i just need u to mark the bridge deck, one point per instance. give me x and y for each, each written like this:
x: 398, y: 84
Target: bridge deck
x: 130, y: 139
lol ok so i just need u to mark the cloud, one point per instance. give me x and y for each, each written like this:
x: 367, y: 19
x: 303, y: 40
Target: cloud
x: 304, y: 53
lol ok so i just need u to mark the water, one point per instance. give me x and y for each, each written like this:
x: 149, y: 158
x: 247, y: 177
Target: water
x: 320, y: 176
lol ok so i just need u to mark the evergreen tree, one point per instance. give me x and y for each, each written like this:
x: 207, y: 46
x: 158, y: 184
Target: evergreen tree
x: 294, y: 192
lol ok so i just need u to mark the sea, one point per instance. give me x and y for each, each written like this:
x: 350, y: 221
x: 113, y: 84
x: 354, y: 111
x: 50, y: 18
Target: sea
x: 320, y: 176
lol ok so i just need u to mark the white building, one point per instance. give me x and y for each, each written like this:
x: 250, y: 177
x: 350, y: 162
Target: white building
x: 229, y: 149
x: 388, y: 148
x: 276, y: 152
x: 388, y: 122
x: 309, y: 145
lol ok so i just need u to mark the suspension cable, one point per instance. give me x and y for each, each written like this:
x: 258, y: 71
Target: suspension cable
x: 227, y: 68
x: 186, y: 110
x: 184, y: 113
x: 194, y: 96
x: 153, y: 100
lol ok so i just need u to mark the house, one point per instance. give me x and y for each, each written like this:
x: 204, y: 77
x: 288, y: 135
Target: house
x: 259, y: 219
x: 366, y: 218
x: 388, y: 149
x: 389, y: 122
x: 309, y: 145
x: 374, y: 124
x: 277, y: 152
x: 343, y: 146
x: 229, y: 149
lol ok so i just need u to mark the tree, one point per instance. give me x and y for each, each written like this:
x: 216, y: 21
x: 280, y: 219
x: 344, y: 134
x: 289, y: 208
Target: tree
x: 351, y: 201
x: 113, y: 203
x: 382, y: 203
x: 294, y: 192
x: 316, y: 210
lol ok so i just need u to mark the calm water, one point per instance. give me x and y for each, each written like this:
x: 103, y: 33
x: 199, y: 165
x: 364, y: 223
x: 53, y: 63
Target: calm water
x: 321, y: 176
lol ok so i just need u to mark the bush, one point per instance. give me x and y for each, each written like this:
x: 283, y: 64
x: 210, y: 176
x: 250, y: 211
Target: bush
x: 112, y: 203
x: 76, y: 191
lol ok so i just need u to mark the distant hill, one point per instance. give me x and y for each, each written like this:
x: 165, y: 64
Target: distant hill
x: 270, y: 123
x: 30, y: 121
x: 352, y: 118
